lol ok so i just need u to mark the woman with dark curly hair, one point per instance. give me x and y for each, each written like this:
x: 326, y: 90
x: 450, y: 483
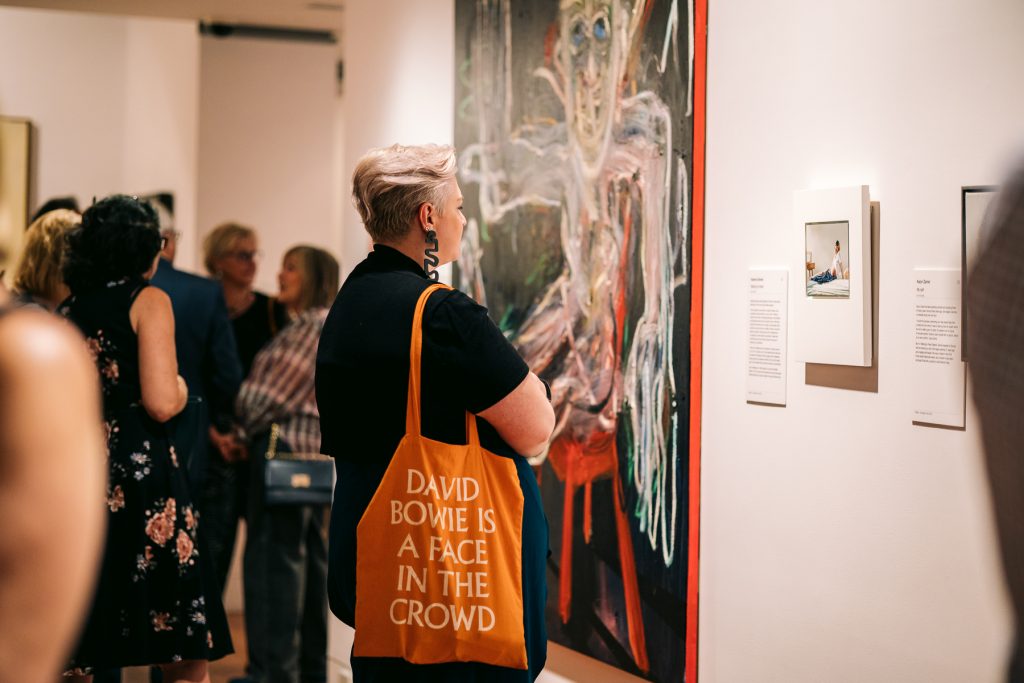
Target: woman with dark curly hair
x: 153, y: 604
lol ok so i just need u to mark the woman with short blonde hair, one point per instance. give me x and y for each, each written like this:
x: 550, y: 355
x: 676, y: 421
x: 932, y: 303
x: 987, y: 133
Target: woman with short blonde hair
x: 38, y: 279
x: 220, y: 242
x: 390, y: 329
x: 231, y: 256
x: 390, y: 184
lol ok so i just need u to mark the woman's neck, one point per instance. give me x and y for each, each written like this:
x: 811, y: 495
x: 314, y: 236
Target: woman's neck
x: 411, y: 245
x: 238, y: 297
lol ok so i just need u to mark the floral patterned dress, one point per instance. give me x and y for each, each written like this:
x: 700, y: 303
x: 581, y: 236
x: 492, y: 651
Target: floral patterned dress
x: 153, y: 602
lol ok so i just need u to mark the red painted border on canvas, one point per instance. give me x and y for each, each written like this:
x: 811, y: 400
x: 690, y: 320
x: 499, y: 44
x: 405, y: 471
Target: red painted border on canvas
x: 700, y: 41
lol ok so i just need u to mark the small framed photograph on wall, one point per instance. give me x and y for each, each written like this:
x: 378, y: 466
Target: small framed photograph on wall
x: 828, y: 269
x: 832, y: 307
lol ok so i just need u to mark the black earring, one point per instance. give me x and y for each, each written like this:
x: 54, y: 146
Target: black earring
x: 430, y: 259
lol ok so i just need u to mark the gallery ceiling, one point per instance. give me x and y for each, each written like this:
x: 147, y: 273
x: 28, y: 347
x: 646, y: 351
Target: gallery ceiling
x: 325, y: 15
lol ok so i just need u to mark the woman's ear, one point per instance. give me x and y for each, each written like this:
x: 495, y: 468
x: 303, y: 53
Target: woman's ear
x: 427, y: 216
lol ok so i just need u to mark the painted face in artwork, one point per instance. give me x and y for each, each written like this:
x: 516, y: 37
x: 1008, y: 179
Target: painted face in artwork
x: 590, y: 57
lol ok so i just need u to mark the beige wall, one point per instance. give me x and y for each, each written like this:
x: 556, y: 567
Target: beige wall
x: 237, y: 129
x: 161, y: 123
x: 114, y: 100
x: 267, y: 139
x: 871, y: 559
x: 399, y: 87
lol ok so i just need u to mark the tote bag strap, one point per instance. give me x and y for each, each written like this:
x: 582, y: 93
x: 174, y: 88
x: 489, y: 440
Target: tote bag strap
x: 472, y: 438
x: 412, y: 404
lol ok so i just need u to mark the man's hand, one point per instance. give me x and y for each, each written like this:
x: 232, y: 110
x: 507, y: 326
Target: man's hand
x: 226, y: 445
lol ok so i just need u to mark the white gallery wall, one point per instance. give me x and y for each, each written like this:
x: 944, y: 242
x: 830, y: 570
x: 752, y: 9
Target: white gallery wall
x: 161, y: 123
x: 269, y: 128
x: 399, y: 88
x: 114, y: 101
x: 838, y: 541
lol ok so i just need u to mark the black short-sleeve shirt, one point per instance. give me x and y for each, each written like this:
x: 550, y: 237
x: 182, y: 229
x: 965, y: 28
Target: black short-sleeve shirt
x: 362, y: 378
x: 363, y: 362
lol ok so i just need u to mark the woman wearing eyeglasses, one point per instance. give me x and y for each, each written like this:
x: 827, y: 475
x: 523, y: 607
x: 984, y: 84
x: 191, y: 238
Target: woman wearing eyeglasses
x: 231, y: 255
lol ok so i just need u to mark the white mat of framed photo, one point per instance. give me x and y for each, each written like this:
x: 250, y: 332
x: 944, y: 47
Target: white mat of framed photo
x: 832, y: 291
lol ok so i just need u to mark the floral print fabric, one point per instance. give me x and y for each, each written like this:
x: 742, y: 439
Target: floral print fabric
x: 155, y: 602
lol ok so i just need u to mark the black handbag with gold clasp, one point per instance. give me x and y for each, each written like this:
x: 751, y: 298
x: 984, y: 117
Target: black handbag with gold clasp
x: 295, y: 478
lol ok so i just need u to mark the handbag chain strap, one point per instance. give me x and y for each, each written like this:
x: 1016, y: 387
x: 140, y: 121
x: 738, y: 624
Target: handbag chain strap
x: 275, y: 434
x: 275, y: 431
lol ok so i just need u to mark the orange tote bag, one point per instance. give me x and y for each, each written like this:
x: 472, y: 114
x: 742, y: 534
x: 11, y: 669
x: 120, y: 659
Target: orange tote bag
x: 439, y: 566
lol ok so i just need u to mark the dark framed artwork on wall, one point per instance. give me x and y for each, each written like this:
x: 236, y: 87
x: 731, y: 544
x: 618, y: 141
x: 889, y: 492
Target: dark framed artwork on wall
x: 975, y: 202
x: 580, y: 128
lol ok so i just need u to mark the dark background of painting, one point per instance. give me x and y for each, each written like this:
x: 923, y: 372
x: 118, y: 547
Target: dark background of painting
x: 522, y: 254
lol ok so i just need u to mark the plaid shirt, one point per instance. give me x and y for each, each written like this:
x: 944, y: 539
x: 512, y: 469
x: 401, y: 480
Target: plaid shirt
x: 280, y: 386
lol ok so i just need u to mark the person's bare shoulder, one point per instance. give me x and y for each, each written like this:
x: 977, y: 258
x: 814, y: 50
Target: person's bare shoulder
x: 152, y: 304
x: 152, y: 298
x: 37, y: 346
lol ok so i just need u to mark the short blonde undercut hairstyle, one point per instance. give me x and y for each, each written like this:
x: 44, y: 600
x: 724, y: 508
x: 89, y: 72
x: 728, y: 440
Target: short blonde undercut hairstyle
x: 391, y: 183
x: 39, y: 270
x: 221, y: 240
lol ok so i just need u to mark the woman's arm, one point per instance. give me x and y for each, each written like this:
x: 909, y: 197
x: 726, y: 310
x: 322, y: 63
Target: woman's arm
x: 52, y: 481
x: 482, y: 365
x: 524, y: 418
x: 163, y: 391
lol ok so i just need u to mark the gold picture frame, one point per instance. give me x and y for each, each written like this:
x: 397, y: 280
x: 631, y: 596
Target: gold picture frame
x: 16, y: 138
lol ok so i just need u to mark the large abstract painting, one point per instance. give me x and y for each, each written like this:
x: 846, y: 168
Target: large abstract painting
x: 580, y: 130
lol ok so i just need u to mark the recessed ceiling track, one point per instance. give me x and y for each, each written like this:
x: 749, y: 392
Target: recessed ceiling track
x: 301, y: 35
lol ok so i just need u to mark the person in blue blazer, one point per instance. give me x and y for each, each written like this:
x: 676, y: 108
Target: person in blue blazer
x: 207, y: 354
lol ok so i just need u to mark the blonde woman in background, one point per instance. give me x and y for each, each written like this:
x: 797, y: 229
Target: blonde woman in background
x: 38, y: 280
x: 231, y: 256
